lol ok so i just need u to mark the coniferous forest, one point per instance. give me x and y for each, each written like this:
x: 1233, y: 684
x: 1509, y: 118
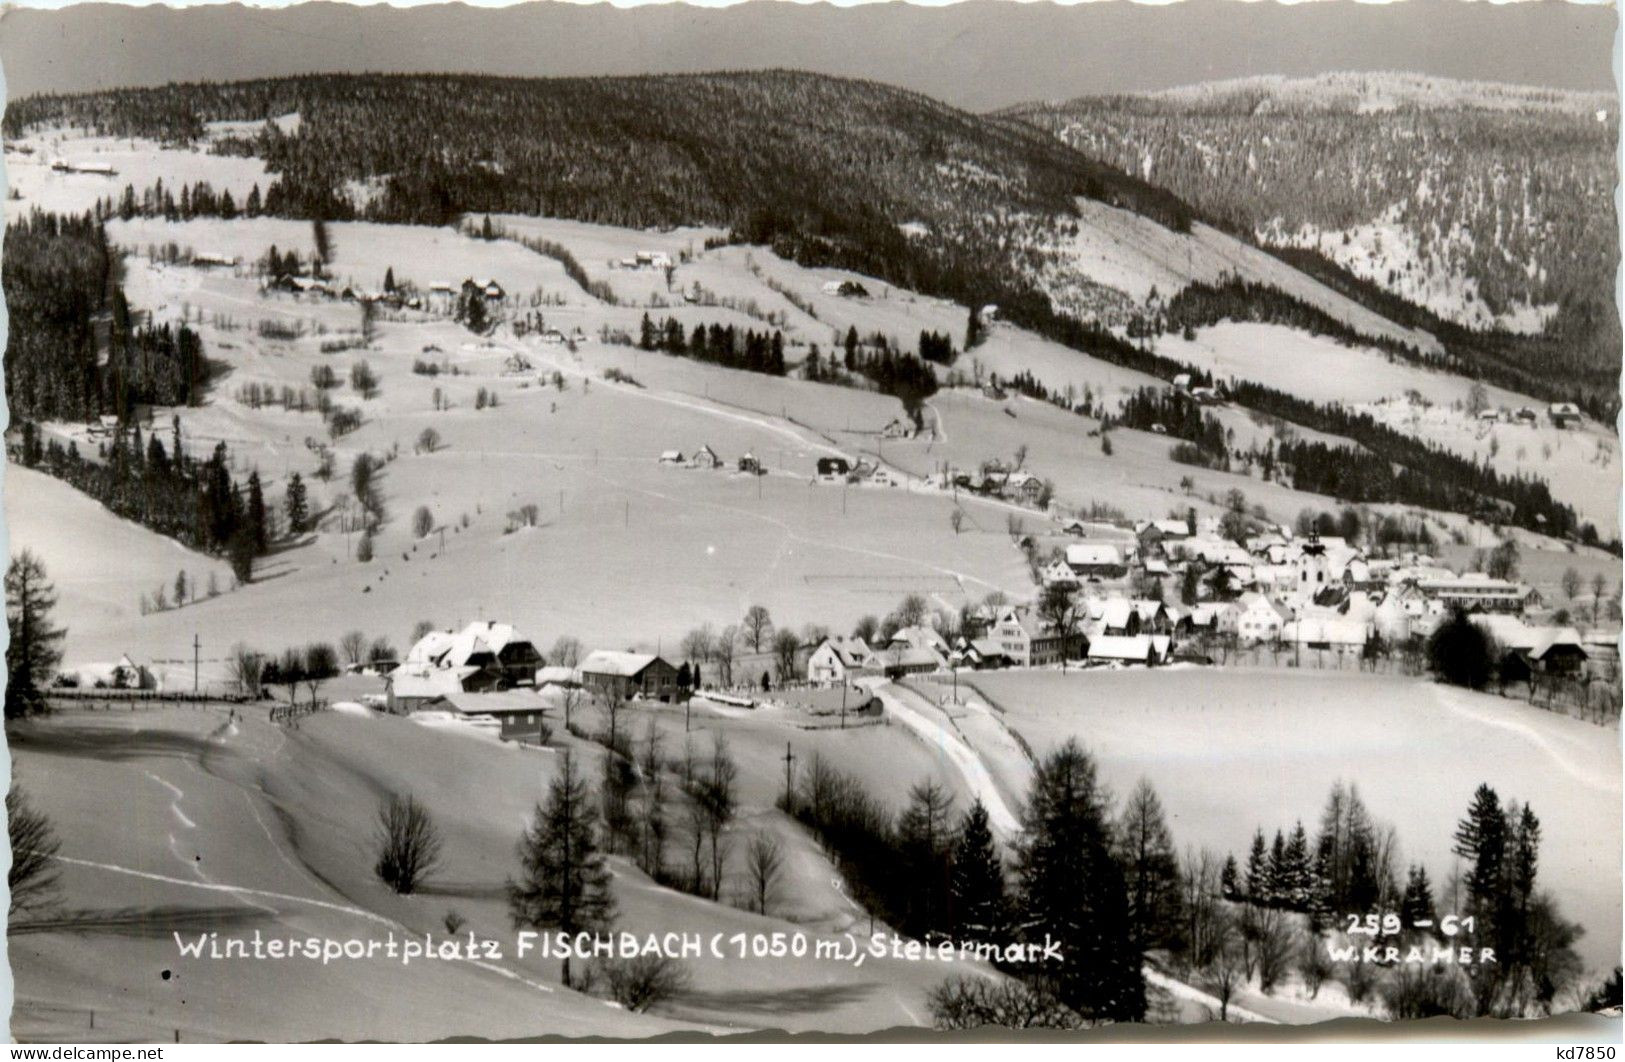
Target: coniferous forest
x: 74, y: 350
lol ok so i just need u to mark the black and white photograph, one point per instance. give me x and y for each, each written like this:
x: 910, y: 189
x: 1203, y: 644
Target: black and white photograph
x: 590, y: 521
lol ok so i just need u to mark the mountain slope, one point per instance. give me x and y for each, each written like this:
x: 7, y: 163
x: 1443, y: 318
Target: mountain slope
x: 830, y: 172
x: 1489, y: 207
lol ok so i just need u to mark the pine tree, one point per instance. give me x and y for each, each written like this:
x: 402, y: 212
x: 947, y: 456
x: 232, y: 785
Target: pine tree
x: 925, y: 843
x: 35, y: 648
x: 1071, y: 891
x: 1417, y: 904
x: 1299, y: 875
x: 1275, y: 873
x: 256, y: 513
x: 563, y: 883
x: 1481, y: 840
x: 294, y: 502
x: 1145, y: 850
x: 978, y: 902
x: 1258, y: 873
x: 1230, y: 879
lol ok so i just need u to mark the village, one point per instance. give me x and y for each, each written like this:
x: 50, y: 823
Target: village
x: 1150, y: 594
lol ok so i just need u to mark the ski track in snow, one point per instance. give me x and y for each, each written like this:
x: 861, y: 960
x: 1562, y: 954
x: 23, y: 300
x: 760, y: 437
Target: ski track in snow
x: 1533, y: 735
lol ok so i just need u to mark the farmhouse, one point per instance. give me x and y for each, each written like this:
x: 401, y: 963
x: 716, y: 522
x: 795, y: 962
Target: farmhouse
x: 1059, y: 573
x: 748, y: 463
x: 895, y: 661
x: 833, y: 469
x: 517, y: 713
x: 836, y: 658
x: 492, y: 647
x: 411, y: 686
x: 1336, y: 633
x: 1090, y: 560
x: 705, y: 457
x: 1123, y: 649
x: 918, y: 638
x: 1564, y: 414
x: 671, y: 457
x: 622, y: 676
x: 984, y: 654
x: 1526, y: 650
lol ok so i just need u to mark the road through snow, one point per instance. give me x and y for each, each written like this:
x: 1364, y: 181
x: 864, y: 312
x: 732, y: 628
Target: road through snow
x: 1005, y: 822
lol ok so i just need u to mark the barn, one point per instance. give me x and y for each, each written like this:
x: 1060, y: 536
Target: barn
x: 622, y: 676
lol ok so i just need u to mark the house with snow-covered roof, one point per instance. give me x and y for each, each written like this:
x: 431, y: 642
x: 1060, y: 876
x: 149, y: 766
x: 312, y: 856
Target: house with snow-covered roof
x: 621, y: 676
x: 837, y: 658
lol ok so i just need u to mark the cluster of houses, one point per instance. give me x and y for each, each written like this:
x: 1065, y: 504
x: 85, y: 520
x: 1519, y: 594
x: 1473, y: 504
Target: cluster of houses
x: 862, y: 472
x: 489, y: 674
x: 707, y: 458
x: 1561, y: 414
x: 1307, y: 592
x: 997, y: 479
x: 653, y: 260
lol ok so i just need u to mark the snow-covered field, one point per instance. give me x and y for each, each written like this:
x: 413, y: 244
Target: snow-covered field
x: 242, y: 826
x: 1580, y: 464
x: 1232, y: 750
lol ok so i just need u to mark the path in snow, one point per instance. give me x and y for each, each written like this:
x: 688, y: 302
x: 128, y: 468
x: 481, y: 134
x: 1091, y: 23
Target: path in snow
x: 957, y: 753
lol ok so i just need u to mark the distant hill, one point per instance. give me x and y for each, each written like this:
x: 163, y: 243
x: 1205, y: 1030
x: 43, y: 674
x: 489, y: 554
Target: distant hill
x: 1490, y: 206
x: 976, y: 54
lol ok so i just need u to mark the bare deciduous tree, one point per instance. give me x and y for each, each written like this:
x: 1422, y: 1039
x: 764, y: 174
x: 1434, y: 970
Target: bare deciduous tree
x: 246, y: 666
x: 764, y: 863
x: 566, y: 652
x: 758, y: 627
x: 641, y: 983
x: 354, y: 646
x: 408, y: 843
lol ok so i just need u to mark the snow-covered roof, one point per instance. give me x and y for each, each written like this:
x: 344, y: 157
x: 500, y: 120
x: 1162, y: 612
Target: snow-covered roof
x: 1081, y: 554
x: 1138, y: 648
x: 504, y: 702
x: 919, y: 638
x: 554, y: 675
x: 421, y: 680
x: 907, y: 656
x: 1332, y: 630
x: 613, y: 662
x: 1116, y: 612
x: 851, y: 652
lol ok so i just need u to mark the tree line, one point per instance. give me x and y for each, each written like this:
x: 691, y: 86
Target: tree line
x: 74, y: 349
x: 198, y: 503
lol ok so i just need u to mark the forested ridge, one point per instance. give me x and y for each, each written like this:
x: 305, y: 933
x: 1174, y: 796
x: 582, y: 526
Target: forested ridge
x: 1510, y: 188
x: 826, y: 171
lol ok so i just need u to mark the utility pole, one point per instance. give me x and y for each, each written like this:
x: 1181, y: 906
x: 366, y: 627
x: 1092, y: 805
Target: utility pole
x: 843, y: 703
x: 196, y: 645
x: 789, y: 779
